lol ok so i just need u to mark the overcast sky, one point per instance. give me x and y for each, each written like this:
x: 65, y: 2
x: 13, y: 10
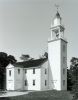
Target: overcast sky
x: 25, y: 26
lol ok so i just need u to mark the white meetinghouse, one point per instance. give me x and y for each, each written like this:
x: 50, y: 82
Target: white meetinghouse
x: 43, y: 73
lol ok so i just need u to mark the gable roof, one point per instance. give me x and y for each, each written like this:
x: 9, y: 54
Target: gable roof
x: 31, y: 63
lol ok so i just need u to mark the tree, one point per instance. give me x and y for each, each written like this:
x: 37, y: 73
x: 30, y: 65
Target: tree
x: 74, y: 73
x: 5, y: 59
x: 69, y: 80
x: 25, y: 57
x: 11, y: 59
x: 46, y: 54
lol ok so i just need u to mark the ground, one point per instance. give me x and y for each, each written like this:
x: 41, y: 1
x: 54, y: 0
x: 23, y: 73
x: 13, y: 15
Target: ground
x: 37, y: 95
x: 12, y: 93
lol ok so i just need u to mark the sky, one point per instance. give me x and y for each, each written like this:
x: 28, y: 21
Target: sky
x: 25, y: 26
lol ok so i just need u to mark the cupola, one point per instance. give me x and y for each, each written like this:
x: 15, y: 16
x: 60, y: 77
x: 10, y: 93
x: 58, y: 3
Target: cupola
x: 57, y: 29
x: 57, y: 19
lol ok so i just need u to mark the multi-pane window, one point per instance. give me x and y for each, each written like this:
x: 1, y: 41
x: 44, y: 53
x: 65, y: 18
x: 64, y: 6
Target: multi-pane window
x: 33, y: 82
x: 63, y: 82
x: 33, y: 70
x: 18, y: 71
x: 63, y: 48
x: 64, y: 60
x: 25, y: 71
x: 63, y: 71
x: 45, y: 82
x: 25, y: 82
x: 45, y: 71
x: 9, y: 72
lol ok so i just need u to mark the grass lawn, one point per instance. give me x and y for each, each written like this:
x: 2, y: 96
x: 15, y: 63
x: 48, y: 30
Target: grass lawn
x: 42, y: 95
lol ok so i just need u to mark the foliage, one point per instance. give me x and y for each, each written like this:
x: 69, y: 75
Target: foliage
x: 74, y: 76
x: 25, y: 57
x: 45, y: 55
x: 5, y: 59
x: 74, y: 73
x: 69, y: 80
x: 11, y: 59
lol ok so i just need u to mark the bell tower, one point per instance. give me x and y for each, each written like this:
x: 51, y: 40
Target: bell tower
x: 57, y: 55
x: 57, y: 29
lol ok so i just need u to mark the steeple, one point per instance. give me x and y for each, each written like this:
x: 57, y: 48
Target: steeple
x: 57, y: 29
x: 57, y: 55
x: 57, y: 19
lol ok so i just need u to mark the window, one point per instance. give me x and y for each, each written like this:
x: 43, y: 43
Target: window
x: 25, y: 71
x: 25, y: 82
x: 33, y: 70
x: 64, y: 60
x: 18, y: 71
x: 9, y: 72
x: 45, y: 71
x: 45, y: 82
x: 63, y: 71
x: 33, y: 82
x: 63, y: 82
x: 63, y: 48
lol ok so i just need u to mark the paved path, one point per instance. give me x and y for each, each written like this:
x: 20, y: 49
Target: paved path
x: 13, y: 93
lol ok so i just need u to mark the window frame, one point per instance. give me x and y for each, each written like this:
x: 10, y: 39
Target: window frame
x: 18, y: 71
x: 25, y: 71
x: 25, y: 82
x: 63, y: 71
x: 33, y: 70
x: 45, y: 82
x: 64, y: 48
x: 64, y: 60
x: 34, y: 83
x: 45, y: 71
x: 63, y: 82
x: 10, y: 72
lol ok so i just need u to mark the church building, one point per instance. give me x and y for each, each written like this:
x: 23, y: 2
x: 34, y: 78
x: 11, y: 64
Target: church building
x: 43, y: 73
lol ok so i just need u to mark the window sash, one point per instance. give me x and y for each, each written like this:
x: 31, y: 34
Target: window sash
x: 18, y: 71
x: 33, y: 70
x: 25, y: 71
x: 33, y: 82
x: 25, y: 82
x: 63, y: 82
x: 45, y: 71
x: 9, y: 72
x: 45, y: 82
x: 63, y: 71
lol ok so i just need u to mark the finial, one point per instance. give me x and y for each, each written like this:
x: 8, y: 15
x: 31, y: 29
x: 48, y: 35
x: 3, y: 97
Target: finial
x: 57, y: 6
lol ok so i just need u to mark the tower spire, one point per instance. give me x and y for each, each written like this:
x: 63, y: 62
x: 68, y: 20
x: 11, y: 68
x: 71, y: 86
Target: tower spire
x: 57, y: 7
x: 57, y: 29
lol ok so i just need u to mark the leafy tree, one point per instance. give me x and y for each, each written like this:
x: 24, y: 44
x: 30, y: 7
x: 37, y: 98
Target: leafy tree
x: 5, y: 59
x: 46, y: 54
x: 69, y: 80
x: 11, y: 59
x: 26, y: 57
x: 74, y: 73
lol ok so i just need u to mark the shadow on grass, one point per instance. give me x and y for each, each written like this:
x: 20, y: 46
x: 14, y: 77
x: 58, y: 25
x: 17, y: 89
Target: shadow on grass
x: 41, y: 95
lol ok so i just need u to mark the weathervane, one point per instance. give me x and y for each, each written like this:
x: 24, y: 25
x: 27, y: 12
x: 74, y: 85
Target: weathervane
x: 57, y: 6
